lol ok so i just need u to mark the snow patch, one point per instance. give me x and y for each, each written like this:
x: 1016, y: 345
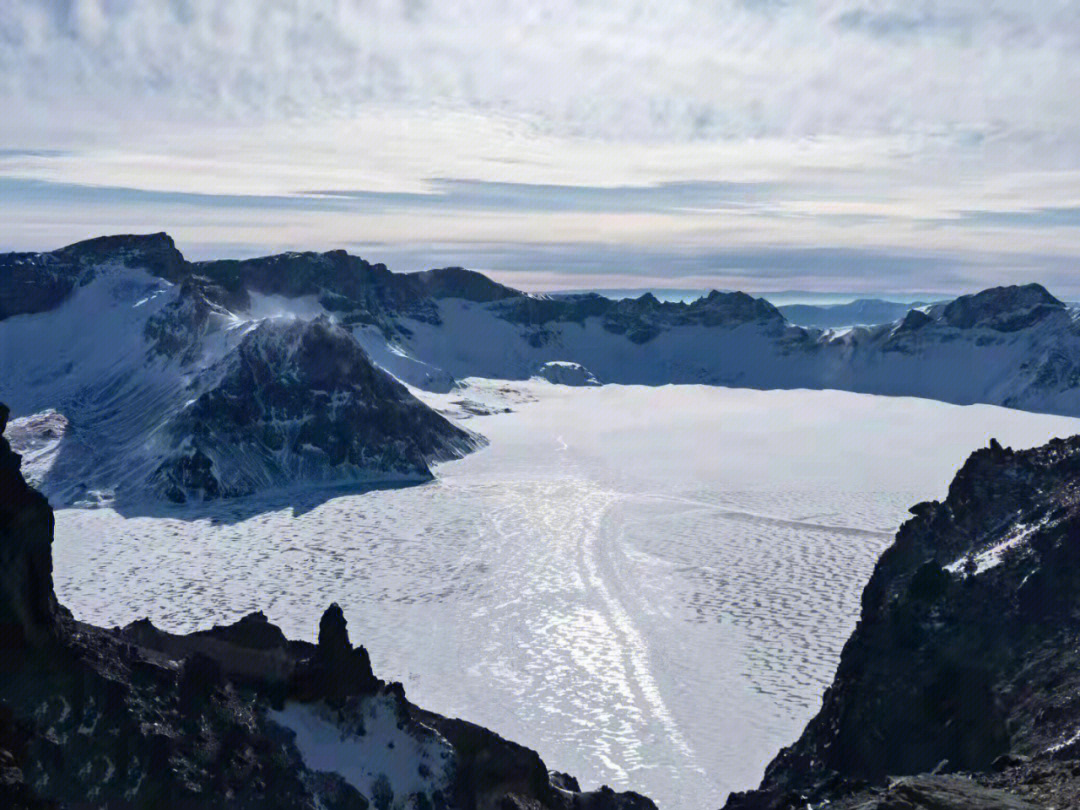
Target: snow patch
x: 37, y: 438
x: 304, y: 307
x: 396, y: 360
x: 372, y: 749
x: 993, y: 556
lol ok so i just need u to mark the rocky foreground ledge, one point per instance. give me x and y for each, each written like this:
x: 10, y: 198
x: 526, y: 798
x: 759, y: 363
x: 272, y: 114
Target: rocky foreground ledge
x: 960, y: 687
x: 238, y: 716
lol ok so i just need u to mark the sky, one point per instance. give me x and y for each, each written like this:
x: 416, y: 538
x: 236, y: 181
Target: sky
x: 865, y: 146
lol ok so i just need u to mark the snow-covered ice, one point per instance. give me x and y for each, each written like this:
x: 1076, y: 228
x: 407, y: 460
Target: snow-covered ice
x: 649, y: 586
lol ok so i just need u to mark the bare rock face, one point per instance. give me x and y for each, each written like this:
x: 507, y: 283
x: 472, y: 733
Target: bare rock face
x: 1003, y: 309
x: 37, y: 282
x: 28, y: 609
x: 337, y: 670
x: 301, y: 401
x: 944, y: 793
x: 644, y: 318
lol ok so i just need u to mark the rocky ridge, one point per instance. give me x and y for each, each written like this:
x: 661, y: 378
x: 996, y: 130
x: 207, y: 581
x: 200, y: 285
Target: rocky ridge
x: 301, y: 401
x: 161, y: 389
x: 168, y: 376
x: 91, y: 717
x: 964, y: 661
x: 1014, y: 346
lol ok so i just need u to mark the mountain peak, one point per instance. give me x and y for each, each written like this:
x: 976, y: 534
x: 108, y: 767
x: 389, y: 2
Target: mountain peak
x: 156, y: 252
x: 469, y: 285
x: 1004, y: 309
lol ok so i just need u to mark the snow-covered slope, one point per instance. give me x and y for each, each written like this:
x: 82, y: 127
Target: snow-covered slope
x: 133, y: 384
x: 1012, y: 346
x: 215, y: 377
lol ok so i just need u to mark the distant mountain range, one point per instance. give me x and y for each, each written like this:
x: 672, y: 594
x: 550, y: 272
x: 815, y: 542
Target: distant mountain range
x: 135, y: 371
x: 861, y: 312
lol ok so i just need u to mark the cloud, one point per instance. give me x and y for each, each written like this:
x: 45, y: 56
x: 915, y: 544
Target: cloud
x: 633, y: 69
x: 1065, y: 217
x: 683, y: 132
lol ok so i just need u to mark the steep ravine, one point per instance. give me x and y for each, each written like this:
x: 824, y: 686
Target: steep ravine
x: 237, y: 716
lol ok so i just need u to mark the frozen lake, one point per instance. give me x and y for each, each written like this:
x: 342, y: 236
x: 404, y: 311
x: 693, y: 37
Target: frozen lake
x: 649, y: 586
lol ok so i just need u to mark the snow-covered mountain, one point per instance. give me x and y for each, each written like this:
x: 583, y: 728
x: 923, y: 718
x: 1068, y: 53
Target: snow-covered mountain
x: 134, y: 377
x: 217, y: 378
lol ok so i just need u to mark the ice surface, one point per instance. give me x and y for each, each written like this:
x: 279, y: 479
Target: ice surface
x: 649, y: 586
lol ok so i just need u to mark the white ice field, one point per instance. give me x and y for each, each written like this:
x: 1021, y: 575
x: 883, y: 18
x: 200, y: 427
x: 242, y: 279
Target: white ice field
x: 649, y: 586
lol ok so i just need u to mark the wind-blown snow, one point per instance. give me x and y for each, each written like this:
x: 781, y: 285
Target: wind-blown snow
x: 649, y: 586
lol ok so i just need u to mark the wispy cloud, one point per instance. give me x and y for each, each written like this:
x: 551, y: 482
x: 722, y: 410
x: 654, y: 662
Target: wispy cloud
x: 870, y: 128
x: 1038, y: 218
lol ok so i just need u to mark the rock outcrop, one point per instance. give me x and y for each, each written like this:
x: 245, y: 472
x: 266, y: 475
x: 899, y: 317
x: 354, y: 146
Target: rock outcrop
x: 965, y: 658
x: 37, y: 282
x: 563, y: 372
x: 234, y: 717
x: 300, y: 401
x: 641, y: 319
x: 28, y: 608
x: 1003, y: 309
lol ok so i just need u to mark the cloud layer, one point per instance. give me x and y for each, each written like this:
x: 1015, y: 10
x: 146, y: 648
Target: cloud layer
x: 874, y: 128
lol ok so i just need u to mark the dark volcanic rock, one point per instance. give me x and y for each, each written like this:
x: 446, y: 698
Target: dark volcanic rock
x: 1005, y: 309
x: 457, y: 282
x: 138, y: 717
x: 300, y: 400
x: 915, y: 319
x: 337, y: 670
x: 966, y: 655
x: 28, y: 609
x: 37, y: 282
x: 942, y: 793
x: 641, y: 319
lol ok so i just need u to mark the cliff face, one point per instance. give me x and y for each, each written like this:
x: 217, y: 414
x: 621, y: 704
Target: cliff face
x: 237, y: 716
x: 28, y: 609
x: 37, y: 282
x: 967, y: 654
